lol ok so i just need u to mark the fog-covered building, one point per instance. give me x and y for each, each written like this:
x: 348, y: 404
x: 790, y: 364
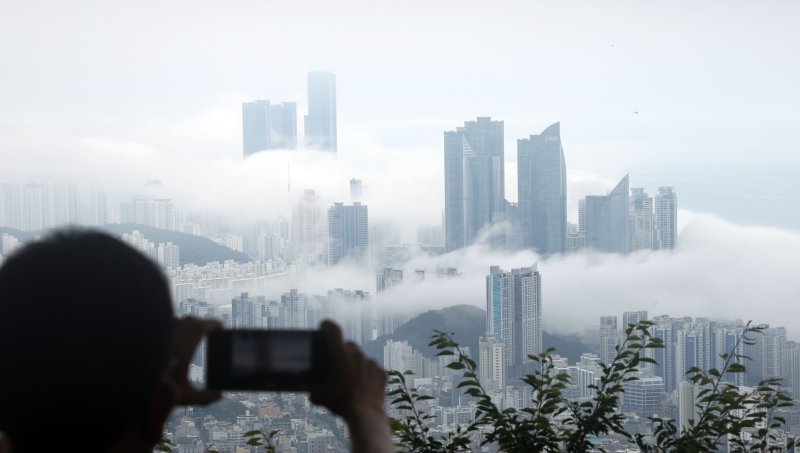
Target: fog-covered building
x: 474, y: 180
x: 542, y: 191
x: 607, y: 222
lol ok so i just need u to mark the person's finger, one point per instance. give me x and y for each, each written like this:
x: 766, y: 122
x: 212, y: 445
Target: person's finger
x: 332, y: 330
x: 188, y: 334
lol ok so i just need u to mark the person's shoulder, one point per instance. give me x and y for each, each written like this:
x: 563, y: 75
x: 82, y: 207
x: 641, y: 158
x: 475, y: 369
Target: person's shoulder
x: 4, y: 445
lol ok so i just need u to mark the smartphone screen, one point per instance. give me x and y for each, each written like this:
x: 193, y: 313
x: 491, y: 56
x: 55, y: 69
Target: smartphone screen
x: 264, y: 359
x: 254, y: 354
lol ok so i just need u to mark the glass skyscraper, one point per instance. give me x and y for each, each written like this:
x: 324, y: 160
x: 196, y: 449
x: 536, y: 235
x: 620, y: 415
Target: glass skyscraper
x: 542, y: 191
x: 268, y: 126
x: 320, y: 123
x: 607, y: 222
x: 283, y: 126
x: 255, y: 126
x: 474, y: 181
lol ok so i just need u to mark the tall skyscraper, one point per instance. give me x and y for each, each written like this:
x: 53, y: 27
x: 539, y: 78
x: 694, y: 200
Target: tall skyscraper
x: 666, y: 218
x: 607, y: 223
x: 542, y: 191
x: 268, y: 126
x: 641, y: 218
x: 348, y: 233
x: 255, y: 126
x: 282, y: 122
x: 514, y: 313
x: 309, y: 230
x: 320, y: 123
x: 609, y: 337
x: 474, y: 181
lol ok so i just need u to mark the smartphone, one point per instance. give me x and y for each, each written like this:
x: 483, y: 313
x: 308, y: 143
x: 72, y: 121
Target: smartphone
x: 270, y: 360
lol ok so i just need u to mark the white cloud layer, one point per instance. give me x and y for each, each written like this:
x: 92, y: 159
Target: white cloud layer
x: 719, y: 270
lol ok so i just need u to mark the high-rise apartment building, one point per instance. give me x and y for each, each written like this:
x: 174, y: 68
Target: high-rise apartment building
x: 666, y: 218
x: 514, y: 313
x: 158, y: 213
x: 766, y: 353
x: 348, y: 233
x: 607, y: 222
x: 688, y: 412
x: 248, y: 312
x: 491, y: 363
x: 474, y: 180
x: 632, y: 318
x: 320, y: 123
x: 268, y: 126
x: 388, y: 277
x: 725, y: 340
x: 641, y: 217
x: 609, y: 338
x: 542, y: 191
x: 168, y: 255
x: 295, y: 312
x: 309, y: 230
x: 792, y: 367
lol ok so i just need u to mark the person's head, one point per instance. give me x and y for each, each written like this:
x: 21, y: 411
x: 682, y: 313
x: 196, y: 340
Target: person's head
x: 85, y: 343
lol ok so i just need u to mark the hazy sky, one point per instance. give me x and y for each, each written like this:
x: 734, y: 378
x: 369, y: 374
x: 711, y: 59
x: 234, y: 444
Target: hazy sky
x: 715, y: 85
x: 123, y: 92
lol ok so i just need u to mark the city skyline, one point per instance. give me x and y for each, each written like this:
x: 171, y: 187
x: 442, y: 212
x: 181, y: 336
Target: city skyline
x: 439, y: 168
x: 190, y: 142
x: 176, y: 119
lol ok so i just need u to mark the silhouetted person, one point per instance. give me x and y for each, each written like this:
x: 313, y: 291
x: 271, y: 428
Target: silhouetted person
x: 93, y: 359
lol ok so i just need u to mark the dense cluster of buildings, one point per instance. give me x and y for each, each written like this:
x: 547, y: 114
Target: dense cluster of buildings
x: 622, y: 221
x: 314, y: 233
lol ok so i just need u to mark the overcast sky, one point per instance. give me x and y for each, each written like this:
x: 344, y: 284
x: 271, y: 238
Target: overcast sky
x: 714, y: 84
x: 123, y: 92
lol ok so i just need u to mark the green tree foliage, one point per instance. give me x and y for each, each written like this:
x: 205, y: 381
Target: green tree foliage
x: 260, y: 438
x: 553, y: 423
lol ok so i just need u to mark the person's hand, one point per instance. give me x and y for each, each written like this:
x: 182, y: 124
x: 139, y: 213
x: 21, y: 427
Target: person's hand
x: 189, y: 332
x: 356, y: 385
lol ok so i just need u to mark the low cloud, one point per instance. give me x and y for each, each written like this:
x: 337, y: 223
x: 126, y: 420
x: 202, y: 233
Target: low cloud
x: 719, y: 270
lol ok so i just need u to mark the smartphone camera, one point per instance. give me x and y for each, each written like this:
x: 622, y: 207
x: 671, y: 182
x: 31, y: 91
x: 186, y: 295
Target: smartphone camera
x: 270, y: 360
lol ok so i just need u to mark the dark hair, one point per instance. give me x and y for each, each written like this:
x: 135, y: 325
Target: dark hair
x: 85, y: 339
